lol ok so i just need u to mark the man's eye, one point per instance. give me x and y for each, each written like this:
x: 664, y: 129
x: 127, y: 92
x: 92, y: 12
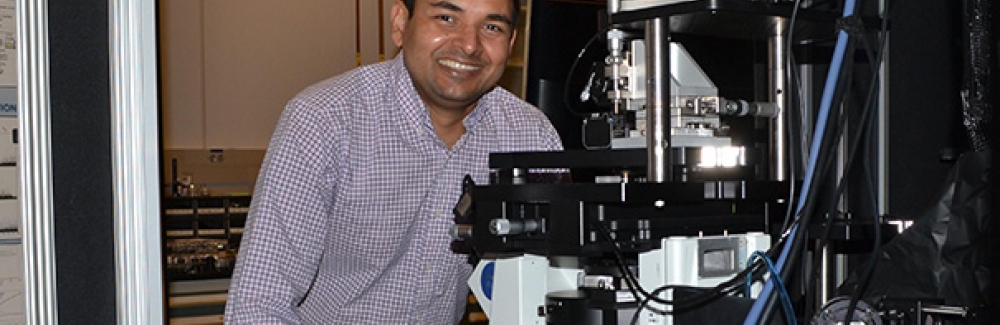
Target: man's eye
x: 495, y: 28
x: 445, y: 18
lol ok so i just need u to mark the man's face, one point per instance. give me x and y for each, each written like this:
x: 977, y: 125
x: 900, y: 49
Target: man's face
x: 455, y: 50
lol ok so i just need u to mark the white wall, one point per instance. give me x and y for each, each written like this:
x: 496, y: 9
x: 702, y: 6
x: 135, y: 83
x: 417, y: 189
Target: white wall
x: 181, y: 68
x: 229, y: 66
x: 369, y: 26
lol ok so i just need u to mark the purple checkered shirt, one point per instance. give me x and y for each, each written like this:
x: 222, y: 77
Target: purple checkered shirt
x: 351, y: 211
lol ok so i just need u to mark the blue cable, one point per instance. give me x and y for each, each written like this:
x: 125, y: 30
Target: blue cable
x: 786, y: 301
x: 753, y: 317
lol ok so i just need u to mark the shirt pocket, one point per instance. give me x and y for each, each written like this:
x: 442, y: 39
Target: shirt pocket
x: 375, y: 229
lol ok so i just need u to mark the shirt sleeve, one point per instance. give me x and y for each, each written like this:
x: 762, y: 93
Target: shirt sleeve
x: 550, y: 137
x: 282, y: 243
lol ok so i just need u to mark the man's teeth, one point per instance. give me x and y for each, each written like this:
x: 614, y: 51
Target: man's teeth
x: 457, y: 66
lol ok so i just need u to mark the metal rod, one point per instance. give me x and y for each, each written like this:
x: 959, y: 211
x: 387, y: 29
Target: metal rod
x: 658, y: 100
x: 138, y: 259
x: 883, y: 125
x: 778, y: 94
x: 37, y: 207
x: 945, y: 310
x: 824, y: 277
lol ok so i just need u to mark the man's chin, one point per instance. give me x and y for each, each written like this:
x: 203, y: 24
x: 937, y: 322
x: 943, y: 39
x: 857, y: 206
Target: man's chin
x: 461, y: 96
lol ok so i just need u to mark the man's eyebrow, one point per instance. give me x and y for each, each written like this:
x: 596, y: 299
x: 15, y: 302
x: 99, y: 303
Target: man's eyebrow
x: 447, y: 5
x: 501, y: 18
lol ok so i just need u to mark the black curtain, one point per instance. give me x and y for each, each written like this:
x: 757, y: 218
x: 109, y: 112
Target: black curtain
x: 81, y: 156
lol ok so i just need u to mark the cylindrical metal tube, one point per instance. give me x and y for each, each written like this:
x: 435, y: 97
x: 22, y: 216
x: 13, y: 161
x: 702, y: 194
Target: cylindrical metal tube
x: 658, y: 100
x: 506, y: 227
x: 778, y: 94
x: 616, y: 46
x: 945, y: 310
x: 461, y: 232
x: 768, y: 110
x: 743, y: 108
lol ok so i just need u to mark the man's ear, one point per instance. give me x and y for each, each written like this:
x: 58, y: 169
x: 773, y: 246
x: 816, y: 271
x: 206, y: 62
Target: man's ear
x: 513, y: 37
x: 398, y: 18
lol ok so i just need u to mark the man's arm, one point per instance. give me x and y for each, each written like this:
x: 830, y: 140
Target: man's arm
x: 284, y: 237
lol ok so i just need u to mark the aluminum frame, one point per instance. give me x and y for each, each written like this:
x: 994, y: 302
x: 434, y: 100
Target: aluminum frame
x: 37, y: 218
x: 135, y: 157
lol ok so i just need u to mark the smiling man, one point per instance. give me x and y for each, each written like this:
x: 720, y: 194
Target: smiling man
x: 351, y: 211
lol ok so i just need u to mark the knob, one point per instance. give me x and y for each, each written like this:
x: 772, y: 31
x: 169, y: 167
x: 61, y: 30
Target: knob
x: 506, y: 227
x: 461, y: 232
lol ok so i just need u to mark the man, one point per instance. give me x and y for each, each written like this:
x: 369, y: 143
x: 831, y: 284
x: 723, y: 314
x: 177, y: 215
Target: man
x: 351, y: 211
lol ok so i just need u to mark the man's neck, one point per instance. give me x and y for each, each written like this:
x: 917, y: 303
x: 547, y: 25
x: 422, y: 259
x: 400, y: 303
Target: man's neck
x: 449, y: 124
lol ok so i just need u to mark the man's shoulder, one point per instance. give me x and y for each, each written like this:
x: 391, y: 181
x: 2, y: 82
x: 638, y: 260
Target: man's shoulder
x: 510, y: 108
x: 360, y: 81
x: 348, y: 93
x: 521, y: 124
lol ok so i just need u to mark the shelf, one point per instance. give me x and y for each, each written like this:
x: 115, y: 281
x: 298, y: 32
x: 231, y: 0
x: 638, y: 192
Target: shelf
x: 198, y: 300
x: 192, y: 221
x: 197, y: 320
x: 211, y: 232
x: 180, y: 233
x: 202, y: 233
x: 198, y: 286
x: 208, y: 233
x: 178, y: 212
x: 207, y: 211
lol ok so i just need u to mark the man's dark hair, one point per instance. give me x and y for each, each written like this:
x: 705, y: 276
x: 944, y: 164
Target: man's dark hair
x: 515, y: 4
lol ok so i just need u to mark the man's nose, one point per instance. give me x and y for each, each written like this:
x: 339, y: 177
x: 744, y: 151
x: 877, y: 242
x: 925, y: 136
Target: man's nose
x: 468, y: 39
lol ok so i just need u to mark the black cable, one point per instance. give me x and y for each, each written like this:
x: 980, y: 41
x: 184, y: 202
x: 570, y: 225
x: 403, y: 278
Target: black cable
x: 702, y: 299
x: 831, y: 212
x: 867, y: 122
x: 867, y: 127
x: 630, y: 279
x: 642, y: 305
x: 805, y: 217
x: 854, y: 148
x: 686, y: 304
x: 792, y: 73
x: 812, y: 203
x: 831, y: 207
x: 877, y: 246
x: 572, y: 68
x: 841, y: 187
x: 792, y: 70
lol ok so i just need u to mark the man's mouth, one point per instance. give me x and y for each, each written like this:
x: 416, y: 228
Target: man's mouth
x: 457, y: 65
